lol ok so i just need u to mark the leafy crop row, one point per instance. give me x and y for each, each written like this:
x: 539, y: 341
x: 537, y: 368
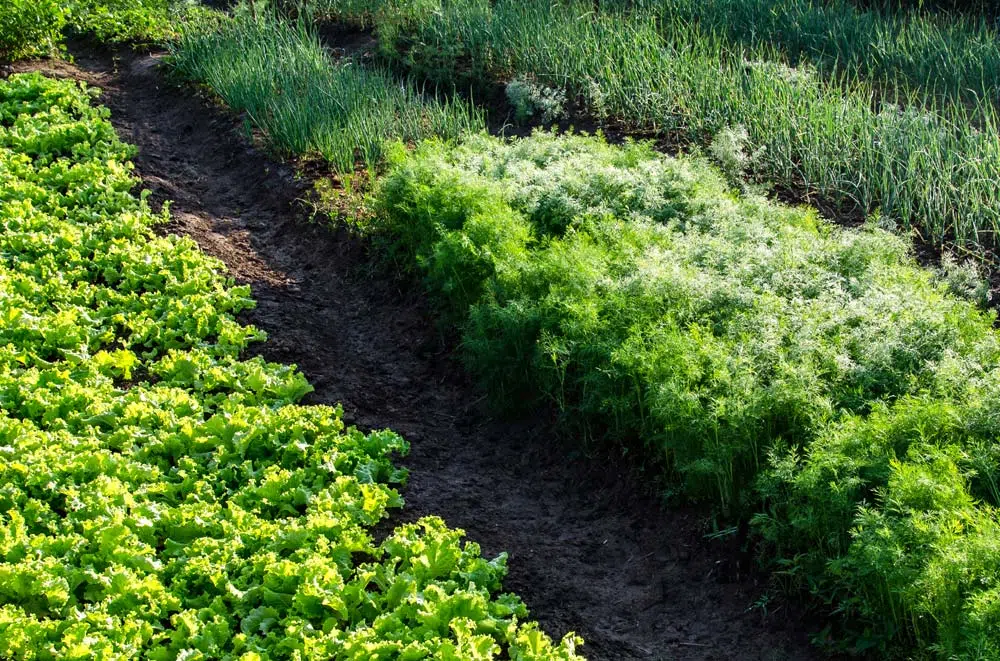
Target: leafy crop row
x: 37, y: 27
x: 812, y: 379
x: 952, y: 56
x: 135, y: 21
x: 160, y: 498
x: 29, y: 27
x: 931, y: 167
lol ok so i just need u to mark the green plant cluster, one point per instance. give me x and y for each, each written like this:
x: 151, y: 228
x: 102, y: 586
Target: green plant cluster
x: 922, y: 163
x: 160, y: 498
x: 30, y: 27
x: 280, y: 74
x: 813, y: 379
x: 136, y: 21
x: 985, y: 8
x: 953, y: 57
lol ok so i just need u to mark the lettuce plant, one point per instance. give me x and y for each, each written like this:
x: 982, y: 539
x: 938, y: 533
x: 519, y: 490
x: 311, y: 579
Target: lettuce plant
x: 162, y: 498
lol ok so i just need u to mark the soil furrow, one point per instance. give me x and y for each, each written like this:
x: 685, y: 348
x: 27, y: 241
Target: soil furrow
x: 586, y: 552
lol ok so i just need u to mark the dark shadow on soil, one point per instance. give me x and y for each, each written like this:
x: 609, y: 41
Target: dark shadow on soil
x: 587, y: 552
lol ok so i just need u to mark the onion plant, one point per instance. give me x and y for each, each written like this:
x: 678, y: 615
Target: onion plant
x: 279, y: 73
x: 914, y: 157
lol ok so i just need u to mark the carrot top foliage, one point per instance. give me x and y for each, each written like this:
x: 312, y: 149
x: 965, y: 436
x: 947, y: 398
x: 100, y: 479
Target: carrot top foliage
x: 813, y: 379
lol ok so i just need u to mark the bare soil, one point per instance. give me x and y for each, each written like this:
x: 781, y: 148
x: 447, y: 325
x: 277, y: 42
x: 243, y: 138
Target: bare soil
x: 590, y: 551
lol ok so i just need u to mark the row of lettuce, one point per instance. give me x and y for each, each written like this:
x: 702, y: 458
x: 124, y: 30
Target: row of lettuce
x: 811, y: 380
x: 160, y: 497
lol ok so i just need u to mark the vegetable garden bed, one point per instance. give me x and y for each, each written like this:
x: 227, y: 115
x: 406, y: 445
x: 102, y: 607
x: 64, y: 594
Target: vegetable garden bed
x: 163, y: 498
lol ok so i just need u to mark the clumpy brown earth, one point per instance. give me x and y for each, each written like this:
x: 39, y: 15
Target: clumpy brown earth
x: 588, y: 552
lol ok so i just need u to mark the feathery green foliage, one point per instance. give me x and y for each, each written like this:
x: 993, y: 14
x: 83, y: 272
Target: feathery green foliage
x: 813, y: 378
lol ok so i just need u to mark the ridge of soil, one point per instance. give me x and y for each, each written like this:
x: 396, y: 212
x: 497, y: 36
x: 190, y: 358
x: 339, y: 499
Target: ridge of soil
x: 588, y: 552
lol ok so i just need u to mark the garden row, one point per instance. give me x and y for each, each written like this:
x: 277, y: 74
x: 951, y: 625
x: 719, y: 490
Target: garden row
x: 951, y: 57
x: 279, y: 73
x: 39, y: 27
x: 920, y: 160
x: 811, y: 380
x: 160, y: 497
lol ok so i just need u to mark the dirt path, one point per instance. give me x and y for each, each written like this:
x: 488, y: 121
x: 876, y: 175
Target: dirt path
x: 586, y: 554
